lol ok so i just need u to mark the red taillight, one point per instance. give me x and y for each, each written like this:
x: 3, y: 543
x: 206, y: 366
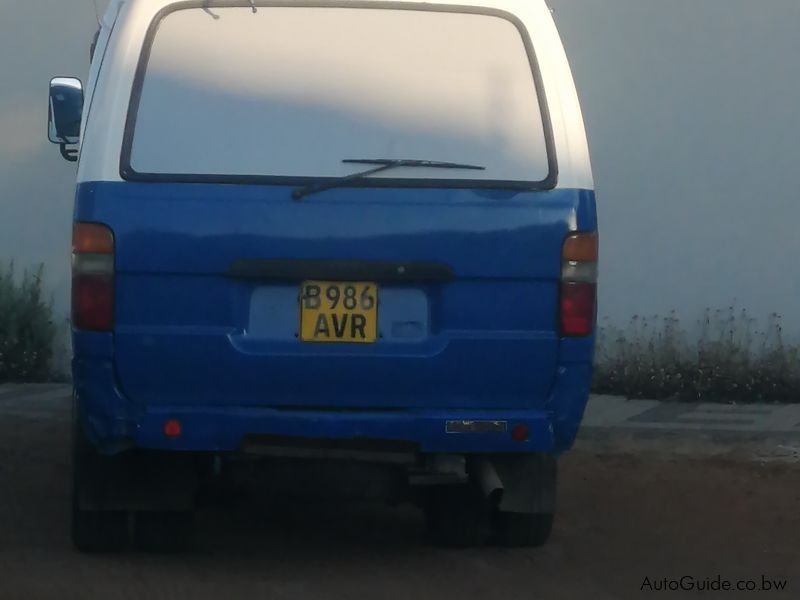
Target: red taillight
x: 93, y: 301
x: 92, y: 277
x: 578, y: 301
x: 577, y: 308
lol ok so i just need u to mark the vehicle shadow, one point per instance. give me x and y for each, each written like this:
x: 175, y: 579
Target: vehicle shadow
x: 254, y: 520
x: 254, y: 544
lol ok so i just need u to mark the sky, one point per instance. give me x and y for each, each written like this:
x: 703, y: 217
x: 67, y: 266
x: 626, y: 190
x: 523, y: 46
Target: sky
x: 692, y: 111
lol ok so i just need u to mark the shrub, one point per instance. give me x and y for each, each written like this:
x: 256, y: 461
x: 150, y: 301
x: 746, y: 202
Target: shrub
x: 730, y: 360
x: 27, y: 332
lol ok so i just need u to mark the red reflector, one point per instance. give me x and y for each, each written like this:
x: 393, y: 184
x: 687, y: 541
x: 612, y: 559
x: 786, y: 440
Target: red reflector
x: 93, y: 301
x: 519, y: 433
x: 173, y: 428
x: 577, y: 308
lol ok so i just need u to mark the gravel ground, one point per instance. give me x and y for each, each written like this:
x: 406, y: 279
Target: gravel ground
x: 625, y: 515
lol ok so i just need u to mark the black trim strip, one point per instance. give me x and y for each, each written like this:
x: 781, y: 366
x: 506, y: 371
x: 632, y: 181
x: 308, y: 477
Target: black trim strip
x: 359, y: 444
x: 128, y: 173
x: 340, y: 270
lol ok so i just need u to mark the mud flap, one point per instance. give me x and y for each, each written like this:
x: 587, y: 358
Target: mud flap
x: 528, y: 483
x: 137, y: 480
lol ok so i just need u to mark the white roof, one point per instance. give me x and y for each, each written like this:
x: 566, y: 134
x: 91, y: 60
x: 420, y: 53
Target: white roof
x: 131, y: 19
x: 508, y: 5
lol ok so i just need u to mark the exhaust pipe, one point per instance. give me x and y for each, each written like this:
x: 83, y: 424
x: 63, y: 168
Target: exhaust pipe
x: 489, y: 481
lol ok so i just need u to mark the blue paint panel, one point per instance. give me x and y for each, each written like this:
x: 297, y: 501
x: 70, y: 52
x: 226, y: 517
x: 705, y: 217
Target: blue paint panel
x: 223, y: 354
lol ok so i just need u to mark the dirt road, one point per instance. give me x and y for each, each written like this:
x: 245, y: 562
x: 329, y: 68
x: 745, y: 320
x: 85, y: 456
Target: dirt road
x: 623, y: 518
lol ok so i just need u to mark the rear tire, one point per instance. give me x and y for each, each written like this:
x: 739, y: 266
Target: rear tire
x: 163, y: 531
x: 95, y: 531
x: 518, y: 530
x: 457, y: 516
x: 92, y: 530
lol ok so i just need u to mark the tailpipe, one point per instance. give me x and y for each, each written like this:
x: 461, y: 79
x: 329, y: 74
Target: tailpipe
x: 488, y: 481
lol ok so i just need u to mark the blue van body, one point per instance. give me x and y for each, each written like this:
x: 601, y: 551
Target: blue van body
x: 181, y: 347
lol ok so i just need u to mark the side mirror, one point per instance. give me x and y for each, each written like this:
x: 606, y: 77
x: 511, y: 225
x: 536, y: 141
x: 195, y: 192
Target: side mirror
x: 64, y: 118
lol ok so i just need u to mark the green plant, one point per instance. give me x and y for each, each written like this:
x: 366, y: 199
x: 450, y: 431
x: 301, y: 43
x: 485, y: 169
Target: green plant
x: 27, y: 332
x: 730, y: 360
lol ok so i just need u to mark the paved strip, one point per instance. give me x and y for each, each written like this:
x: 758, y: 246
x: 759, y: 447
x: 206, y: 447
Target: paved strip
x: 9, y: 389
x: 36, y: 401
x: 723, y: 409
x: 613, y: 412
x: 12, y: 393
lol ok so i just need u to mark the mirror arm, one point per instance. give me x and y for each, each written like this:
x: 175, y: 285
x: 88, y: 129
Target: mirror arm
x: 70, y: 154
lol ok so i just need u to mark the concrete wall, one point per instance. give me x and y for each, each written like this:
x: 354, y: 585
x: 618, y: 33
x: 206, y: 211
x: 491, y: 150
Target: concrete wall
x: 693, y: 112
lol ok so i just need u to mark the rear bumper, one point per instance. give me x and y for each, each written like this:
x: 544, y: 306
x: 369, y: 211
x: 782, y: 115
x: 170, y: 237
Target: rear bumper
x: 113, y: 422
x: 224, y: 430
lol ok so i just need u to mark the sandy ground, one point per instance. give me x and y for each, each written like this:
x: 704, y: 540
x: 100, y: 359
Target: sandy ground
x: 625, y: 515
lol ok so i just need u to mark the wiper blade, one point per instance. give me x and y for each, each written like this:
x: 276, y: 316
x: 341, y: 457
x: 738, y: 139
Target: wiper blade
x: 412, y: 162
x: 382, y: 164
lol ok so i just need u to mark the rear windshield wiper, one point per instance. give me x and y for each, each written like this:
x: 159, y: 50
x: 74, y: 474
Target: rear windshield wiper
x: 382, y: 164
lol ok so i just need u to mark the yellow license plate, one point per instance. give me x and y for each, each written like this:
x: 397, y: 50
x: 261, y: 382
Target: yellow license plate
x: 337, y: 311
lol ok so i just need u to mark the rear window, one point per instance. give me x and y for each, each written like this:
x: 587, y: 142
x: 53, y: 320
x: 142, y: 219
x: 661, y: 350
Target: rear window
x: 289, y: 92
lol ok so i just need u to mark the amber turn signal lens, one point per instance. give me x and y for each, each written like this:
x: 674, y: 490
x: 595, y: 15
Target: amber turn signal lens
x: 581, y: 247
x: 92, y: 238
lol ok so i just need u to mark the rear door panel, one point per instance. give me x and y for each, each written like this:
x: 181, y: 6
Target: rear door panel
x: 189, y: 334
